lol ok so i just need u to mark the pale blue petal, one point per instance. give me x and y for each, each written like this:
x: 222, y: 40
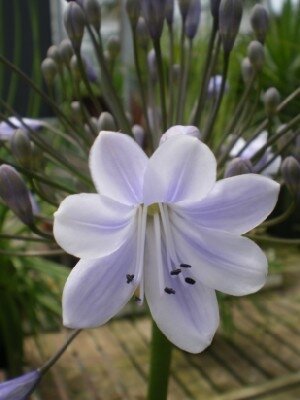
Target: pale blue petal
x: 223, y: 261
x: 96, y: 290
x: 92, y: 226
x: 189, y: 317
x: 19, y: 388
x: 117, y: 165
x: 182, y: 168
x: 236, y: 204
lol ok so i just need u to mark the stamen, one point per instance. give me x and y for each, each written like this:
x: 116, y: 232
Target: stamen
x: 185, y: 266
x: 169, y: 290
x: 190, y: 281
x: 129, y: 277
x: 175, y: 271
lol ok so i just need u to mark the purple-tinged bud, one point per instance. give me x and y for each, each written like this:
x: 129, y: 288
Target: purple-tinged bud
x: 49, y: 70
x: 113, y: 47
x: 142, y: 33
x: 139, y: 134
x: 106, y: 122
x: 15, y: 194
x: 133, y: 8
x: 230, y: 16
x: 93, y: 13
x: 65, y: 50
x: 214, y: 9
x: 238, y: 166
x: 54, y: 53
x: 271, y: 101
x: 19, y: 388
x: 192, y: 19
x: 256, y: 54
x: 170, y: 11
x: 184, y: 8
x: 152, y: 65
x: 74, y: 23
x: 260, y: 22
x: 247, y: 70
x: 21, y: 148
x: 154, y: 12
x: 290, y: 169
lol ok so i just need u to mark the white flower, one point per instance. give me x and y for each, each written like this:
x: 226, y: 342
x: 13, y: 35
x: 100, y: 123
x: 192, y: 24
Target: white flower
x: 162, y: 225
x: 254, y: 146
x: 7, y: 130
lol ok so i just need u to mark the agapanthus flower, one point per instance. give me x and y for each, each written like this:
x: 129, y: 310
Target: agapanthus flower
x: 254, y: 146
x: 7, y: 130
x: 164, y: 228
x: 19, y: 388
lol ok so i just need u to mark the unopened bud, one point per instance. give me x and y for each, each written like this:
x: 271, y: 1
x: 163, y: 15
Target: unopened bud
x: 259, y: 21
x: 271, y: 101
x: 53, y: 53
x: 113, y: 47
x: 238, y: 166
x: 142, y: 34
x: 15, y: 194
x: 93, y: 13
x: 290, y: 169
x: 170, y: 11
x: 76, y: 109
x: 247, y: 69
x: 154, y: 12
x: 106, y: 122
x: 256, y: 54
x: 74, y: 23
x: 21, y: 148
x: 214, y: 9
x: 133, y: 8
x: 184, y: 8
x: 152, y: 65
x: 192, y: 19
x: 139, y: 134
x: 65, y: 50
x: 230, y: 16
x: 49, y: 70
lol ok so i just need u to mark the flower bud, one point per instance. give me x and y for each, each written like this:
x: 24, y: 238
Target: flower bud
x: 154, y: 12
x: 256, y: 54
x: 93, y: 13
x: 74, y: 24
x: 76, y: 109
x: 214, y: 9
x: 230, y: 16
x: 152, y: 65
x: 113, y: 47
x: 142, y: 33
x: 290, y: 169
x: 49, y: 70
x: 53, y: 53
x: 259, y: 21
x: 184, y: 8
x: 247, y: 69
x: 238, y: 166
x: 192, y: 19
x: 170, y: 11
x: 106, y: 122
x: 133, y: 8
x: 271, y: 101
x: 139, y: 134
x: 20, y: 387
x: 65, y: 50
x: 21, y: 148
x: 15, y: 194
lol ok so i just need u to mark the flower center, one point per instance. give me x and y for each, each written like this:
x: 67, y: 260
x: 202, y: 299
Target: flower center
x: 153, y: 209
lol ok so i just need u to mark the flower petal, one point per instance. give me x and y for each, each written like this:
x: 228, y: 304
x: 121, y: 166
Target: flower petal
x: 92, y: 226
x: 117, y: 165
x: 189, y: 317
x: 236, y: 204
x: 19, y: 388
x: 182, y: 168
x: 223, y: 261
x: 97, y: 289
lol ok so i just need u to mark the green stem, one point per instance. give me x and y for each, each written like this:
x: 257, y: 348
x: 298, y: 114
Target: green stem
x: 161, y: 350
x: 157, y: 48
